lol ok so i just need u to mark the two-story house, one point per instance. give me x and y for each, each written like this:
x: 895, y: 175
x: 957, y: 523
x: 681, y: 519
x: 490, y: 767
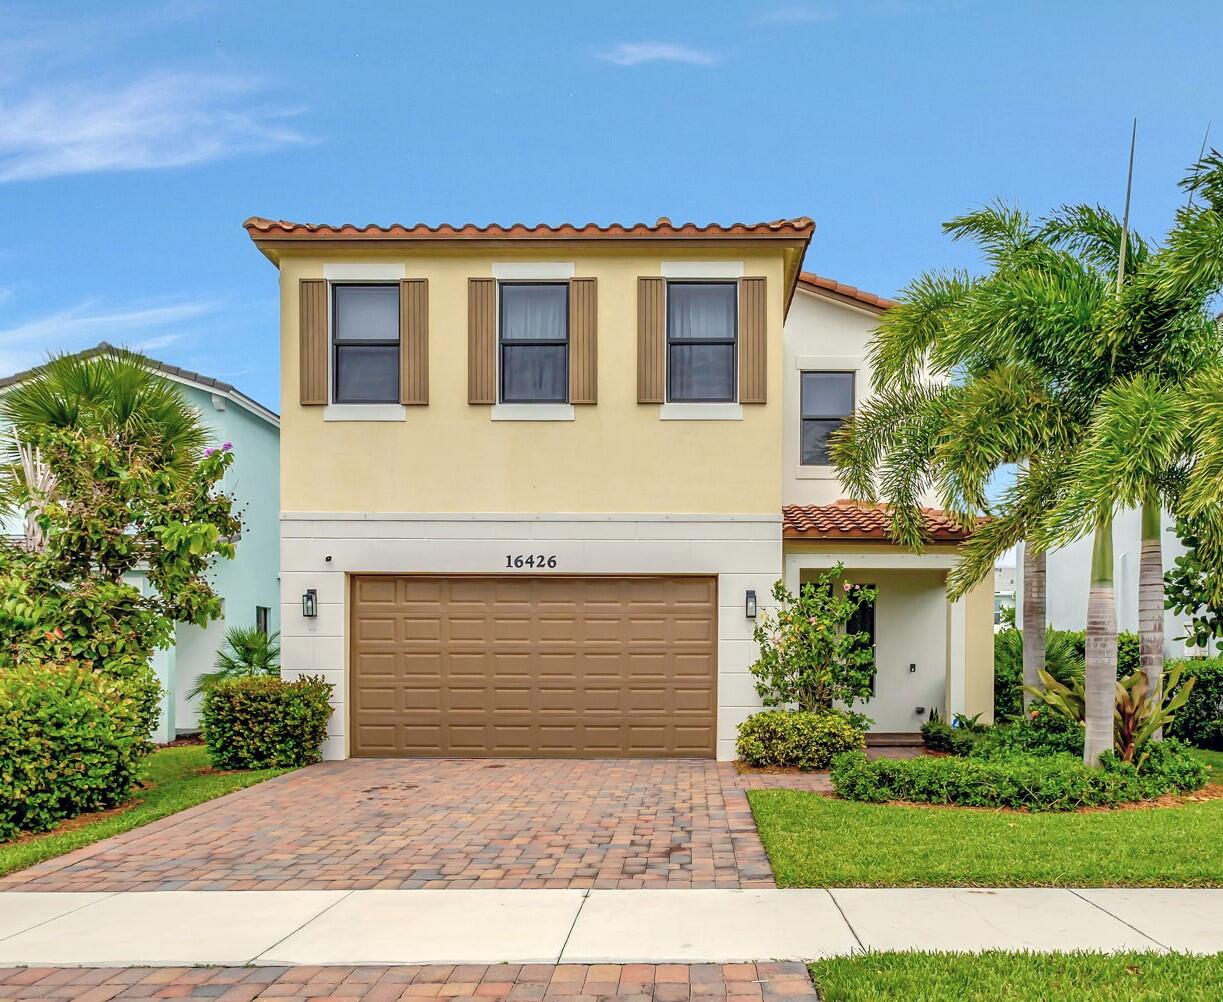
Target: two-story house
x: 537, y: 483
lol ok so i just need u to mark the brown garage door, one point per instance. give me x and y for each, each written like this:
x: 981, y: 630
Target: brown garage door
x: 533, y: 666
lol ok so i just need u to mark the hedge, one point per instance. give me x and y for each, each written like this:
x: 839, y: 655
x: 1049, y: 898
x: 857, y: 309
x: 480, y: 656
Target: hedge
x: 71, y: 741
x: 265, y: 722
x: 797, y: 738
x: 1034, y: 782
x: 1200, y: 721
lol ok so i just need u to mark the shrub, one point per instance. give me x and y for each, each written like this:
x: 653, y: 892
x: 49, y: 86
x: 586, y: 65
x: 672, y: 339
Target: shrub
x: 247, y: 652
x: 1200, y: 721
x: 71, y: 741
x: 260, y: 723
x: 797, y: 738
x: 938, y: 735
x: 1037, y: 783
x: 1042, y: 732
x: 808, y: 656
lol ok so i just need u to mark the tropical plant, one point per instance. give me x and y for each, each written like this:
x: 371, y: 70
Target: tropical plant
x: 807, y: 658
x: 1200, y: 720
x: 246, y: 652
x: 1191, y: 588
x: 1138, y: 714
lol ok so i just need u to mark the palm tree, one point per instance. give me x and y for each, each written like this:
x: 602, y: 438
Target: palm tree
x: 247, y: 652
x: 114, y: 391
x: 1032, y: 347
x: 965, y: 384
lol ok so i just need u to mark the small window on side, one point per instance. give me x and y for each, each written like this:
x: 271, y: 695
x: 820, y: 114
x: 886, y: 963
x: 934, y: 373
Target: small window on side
x: 827, y: 400
x: 365, y: 344
x: 263, y: 616
x: 702, y: 336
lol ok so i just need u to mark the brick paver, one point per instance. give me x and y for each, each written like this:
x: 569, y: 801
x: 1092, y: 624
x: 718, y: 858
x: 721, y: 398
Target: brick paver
x: 771, y: 982
x: 446, y: 823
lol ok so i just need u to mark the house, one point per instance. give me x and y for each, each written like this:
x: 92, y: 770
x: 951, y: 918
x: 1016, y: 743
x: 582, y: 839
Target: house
x: 1068, y: 581
x: 538, y: 481
x: 248, y: 584
x: 1004, y: 595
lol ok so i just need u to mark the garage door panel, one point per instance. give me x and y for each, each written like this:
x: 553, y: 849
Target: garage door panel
x: 521, y: 666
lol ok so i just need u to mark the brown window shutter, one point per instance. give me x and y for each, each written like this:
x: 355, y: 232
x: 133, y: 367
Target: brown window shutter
x: 481, y: 340
x: 651, y: 340
x: 753, y: 341
x: 312, y: 345
x: 414, y: 341
x: 583, y: 341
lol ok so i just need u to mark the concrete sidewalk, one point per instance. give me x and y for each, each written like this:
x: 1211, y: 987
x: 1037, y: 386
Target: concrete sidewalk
x: 578, y: 927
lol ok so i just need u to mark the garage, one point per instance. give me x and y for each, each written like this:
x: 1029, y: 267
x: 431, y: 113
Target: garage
x: 545, y: 666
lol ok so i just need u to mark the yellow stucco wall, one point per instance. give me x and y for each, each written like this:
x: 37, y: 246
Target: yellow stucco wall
x: 979, y: 649
x: 617, y: 456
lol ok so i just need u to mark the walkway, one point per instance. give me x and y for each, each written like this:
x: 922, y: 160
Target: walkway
x: 321, y: 928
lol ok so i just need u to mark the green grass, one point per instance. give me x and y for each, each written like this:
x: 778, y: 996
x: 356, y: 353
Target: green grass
x: 1214, y: 762
x: 178, y: 778
x: 1020, y: 977
x: 818, y: 841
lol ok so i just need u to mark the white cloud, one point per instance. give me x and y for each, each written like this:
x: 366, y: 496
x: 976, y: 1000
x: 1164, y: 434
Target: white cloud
x: 807, y: 14
x: 140, y: 326
x: 161, y: 120
x: 637, y: 53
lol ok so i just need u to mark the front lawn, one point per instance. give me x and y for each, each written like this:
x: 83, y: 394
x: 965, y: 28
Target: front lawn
x: 175, y: 779
x: 1020, y: 977
x: 1214, y: 762
x: 819, y: 841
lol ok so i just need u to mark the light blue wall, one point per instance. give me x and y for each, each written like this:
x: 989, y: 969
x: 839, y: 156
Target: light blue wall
x: 252, y: 578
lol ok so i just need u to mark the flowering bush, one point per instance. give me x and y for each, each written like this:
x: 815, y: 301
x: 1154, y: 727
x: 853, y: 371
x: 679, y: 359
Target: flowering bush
x: 807, y: 657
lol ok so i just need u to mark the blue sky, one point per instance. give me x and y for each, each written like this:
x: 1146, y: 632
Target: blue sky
x: 136, y: 137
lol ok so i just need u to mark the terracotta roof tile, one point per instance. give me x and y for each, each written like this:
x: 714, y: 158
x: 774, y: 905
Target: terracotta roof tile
x: 812, y: 282
x: 858, y: 520
x: 279, y: 229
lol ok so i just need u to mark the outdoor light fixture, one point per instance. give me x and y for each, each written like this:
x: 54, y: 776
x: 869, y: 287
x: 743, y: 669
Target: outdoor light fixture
x: 750, y: 605
x: 310, y: 603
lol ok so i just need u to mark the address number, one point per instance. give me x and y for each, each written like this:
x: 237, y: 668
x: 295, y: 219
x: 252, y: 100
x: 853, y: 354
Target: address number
x: 517, y: 561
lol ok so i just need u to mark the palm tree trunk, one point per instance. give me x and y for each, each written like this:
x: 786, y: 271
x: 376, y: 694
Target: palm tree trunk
x: 1100, y: 670
x: 1151, y: 601
x: 1033, y: 618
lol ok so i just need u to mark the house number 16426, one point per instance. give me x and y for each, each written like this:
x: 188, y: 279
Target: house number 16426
x: 517, y: 561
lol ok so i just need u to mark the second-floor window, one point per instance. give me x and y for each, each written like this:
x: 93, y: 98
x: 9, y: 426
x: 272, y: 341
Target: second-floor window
x: 702, y: 331
x: 534, y: 342
x: 827, y: 400
x: 365, y: 343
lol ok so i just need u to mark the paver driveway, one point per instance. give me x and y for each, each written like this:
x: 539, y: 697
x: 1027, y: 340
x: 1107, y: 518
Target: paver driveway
x: 441, y: 823
x: 768, y: 982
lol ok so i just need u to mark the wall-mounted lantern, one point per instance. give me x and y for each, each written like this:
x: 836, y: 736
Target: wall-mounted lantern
x: 310, y: 603
x: 749, y: 605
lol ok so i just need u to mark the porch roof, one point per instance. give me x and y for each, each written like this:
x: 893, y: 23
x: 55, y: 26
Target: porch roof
x: 857, y: 520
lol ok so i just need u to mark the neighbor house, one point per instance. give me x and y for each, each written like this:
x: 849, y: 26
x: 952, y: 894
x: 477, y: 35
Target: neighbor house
x: 1068, y: 581
x: 248, y: 584
x: 538, y: 481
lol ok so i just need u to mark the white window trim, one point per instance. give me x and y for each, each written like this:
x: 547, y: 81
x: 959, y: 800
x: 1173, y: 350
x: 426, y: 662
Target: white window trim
x: 702, y: 269
x: 700, y: 412
x: 533, y: 271
x: 355, y: 271
x: 828, y: 363
x: 532, y: 412
x: 815, y: 473
x: 365, y: 412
